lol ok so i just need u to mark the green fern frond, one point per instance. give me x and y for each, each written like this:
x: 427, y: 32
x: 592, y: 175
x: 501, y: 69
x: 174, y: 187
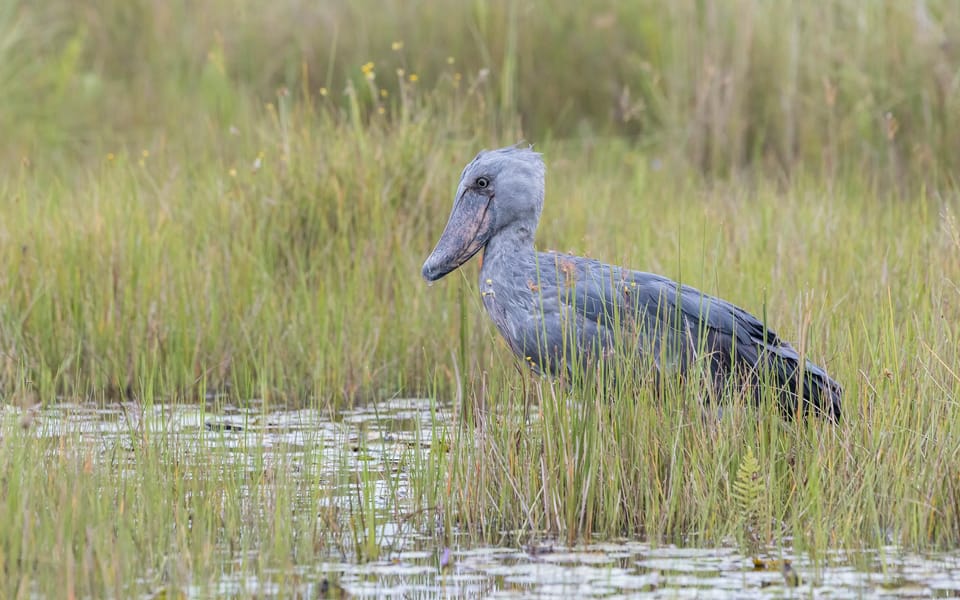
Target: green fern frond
x: 747, y: 494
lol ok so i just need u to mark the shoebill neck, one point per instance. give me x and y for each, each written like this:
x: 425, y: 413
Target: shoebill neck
x: 504, y: 248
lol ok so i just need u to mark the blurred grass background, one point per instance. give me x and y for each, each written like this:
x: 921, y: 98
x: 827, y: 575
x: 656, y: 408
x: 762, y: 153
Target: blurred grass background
x: 237, y: 196
x: 722, y: 86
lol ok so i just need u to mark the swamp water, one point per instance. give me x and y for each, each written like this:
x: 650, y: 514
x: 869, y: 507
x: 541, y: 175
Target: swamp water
x: 410, y: 565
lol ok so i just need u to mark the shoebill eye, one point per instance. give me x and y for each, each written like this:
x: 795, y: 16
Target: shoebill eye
x: 482, y: 182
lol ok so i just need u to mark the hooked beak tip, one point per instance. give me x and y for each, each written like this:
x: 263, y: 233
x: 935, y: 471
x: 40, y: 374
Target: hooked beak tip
x: 430, y: 273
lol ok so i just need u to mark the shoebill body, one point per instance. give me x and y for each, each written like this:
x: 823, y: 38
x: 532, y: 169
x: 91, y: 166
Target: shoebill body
x: 559, y: 311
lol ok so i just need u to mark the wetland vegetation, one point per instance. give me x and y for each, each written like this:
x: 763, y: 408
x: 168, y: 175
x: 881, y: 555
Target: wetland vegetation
x: 212, y: 222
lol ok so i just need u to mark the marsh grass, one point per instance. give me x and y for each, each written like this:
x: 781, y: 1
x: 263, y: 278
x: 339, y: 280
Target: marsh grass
x: 243, y: 214
x: 666, y: 471
x: 579, y: 462
x: 779, y: 86
x: 163, y: 507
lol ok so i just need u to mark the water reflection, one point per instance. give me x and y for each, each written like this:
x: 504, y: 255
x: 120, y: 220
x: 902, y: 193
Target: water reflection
x: 380, y: 438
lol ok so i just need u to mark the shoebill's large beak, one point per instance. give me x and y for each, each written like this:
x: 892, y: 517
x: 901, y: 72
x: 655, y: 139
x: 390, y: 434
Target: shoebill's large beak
x: 467, y: 231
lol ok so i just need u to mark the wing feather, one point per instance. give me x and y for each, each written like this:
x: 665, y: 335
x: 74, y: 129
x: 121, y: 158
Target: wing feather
x: 679, y: 323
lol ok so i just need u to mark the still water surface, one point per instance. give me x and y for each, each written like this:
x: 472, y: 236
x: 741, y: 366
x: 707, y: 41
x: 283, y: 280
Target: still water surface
x: 410, y: 568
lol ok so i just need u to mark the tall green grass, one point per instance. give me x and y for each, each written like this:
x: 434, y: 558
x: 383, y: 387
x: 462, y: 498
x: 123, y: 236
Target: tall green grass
x: 779, y: 86
x: 284, y: 261
x: 864, y: 284
x: 162, y: 507
x: 86, y: 515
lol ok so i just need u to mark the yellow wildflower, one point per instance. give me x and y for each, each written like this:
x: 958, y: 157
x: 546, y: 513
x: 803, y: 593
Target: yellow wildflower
x: 367, y: 70
x: 396, y: 46
x: 414, y: 78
